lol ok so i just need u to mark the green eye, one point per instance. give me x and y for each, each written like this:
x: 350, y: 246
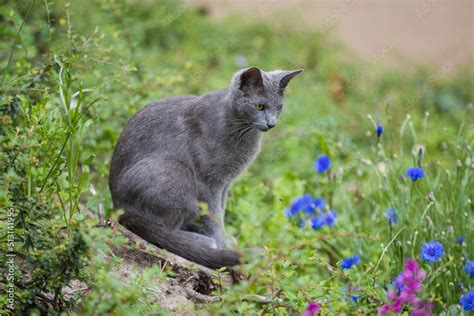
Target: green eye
x: 259, y: 107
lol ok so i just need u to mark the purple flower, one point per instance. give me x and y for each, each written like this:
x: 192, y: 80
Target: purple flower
x: 409, y: 285
x: 322, y: 163
x: 467, y: 301
x: 385, y: 309
x: 349, y: 262
x: 312, y: 309
x: 422, y: 308
x: 432, y: 251
x: 460, y: 240
x: 469, y: 268
x: 392, y: 216
x: 379, y: 130
x: 415, y: 173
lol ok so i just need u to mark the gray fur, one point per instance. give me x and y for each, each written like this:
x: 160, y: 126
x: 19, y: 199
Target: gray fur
x: 177, y: 152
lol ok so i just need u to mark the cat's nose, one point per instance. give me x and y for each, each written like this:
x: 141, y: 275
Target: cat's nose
x: 270, y: 125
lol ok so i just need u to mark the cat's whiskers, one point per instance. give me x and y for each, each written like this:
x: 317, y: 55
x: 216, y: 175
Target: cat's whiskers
x: 238, y: 123
x: 241, y: 125
x: 257, y: 125
x: 244, y: 135
x: 232, y: 135
x: 238, y: 129
x: 236, y: 134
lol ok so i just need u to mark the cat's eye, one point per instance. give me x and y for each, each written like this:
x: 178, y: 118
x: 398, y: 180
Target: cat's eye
x: 279, y: 107
x: 259, y: 107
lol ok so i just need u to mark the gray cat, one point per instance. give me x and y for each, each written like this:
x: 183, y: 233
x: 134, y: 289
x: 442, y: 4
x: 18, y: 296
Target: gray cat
x: 178, y: 152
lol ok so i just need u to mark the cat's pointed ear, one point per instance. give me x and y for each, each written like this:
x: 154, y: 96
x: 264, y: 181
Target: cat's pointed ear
x: 251, y: 80
x: 287, y: 76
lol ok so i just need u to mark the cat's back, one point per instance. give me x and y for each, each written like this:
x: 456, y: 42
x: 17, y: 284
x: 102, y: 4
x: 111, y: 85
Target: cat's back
x: 159, y: 110
x: 150, y: 129
x: 157, y: 117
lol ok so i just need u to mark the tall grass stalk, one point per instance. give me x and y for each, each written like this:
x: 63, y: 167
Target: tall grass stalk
x: 73, y: 126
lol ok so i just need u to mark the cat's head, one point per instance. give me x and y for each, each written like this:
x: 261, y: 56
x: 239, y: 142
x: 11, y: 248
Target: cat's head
x: 257, y: 96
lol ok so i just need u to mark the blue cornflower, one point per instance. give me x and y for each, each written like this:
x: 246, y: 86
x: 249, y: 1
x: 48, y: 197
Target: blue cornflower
x: 392, y: 216
x: 353, y: 293
x: 306, y: 203
x: 330, y: 218
x: 460, y: 240
x: 469, y: 268
x: 298, y: 204
x: 355, y: 298
x: 319, y: 203
x: 317, y: 222
x: 312, y: 204
x: 467, y: 301
x: 322, y: 163
x: 325, y: 219
x: 432, y: 251
x: 290, y: 212
x: 415, y: 173
x: 397, y: 282
x: 379, y: 130
x: 349, y: 262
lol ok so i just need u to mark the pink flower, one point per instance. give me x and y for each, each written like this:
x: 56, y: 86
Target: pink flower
x: 312, y: 309
x: 412, y: 285
x: 409, y: 282
x: 411, y: 266
x: 422, y: 308
x: 384, y: 309
x: 391, y: 295
x: 397, y: 305
x: 407, y: 297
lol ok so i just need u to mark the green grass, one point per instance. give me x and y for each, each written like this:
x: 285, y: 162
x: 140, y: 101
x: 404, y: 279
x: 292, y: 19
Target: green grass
x: 121, y: 56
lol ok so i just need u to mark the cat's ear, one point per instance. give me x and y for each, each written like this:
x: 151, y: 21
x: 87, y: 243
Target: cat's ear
x: 251, y: 81
x: 287, y: 76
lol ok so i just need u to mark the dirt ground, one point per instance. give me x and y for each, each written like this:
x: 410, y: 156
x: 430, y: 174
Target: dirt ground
x: 430, y: 32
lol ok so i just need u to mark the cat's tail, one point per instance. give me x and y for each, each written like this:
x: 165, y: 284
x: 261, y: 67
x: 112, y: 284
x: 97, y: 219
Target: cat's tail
x: 182, y: 243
